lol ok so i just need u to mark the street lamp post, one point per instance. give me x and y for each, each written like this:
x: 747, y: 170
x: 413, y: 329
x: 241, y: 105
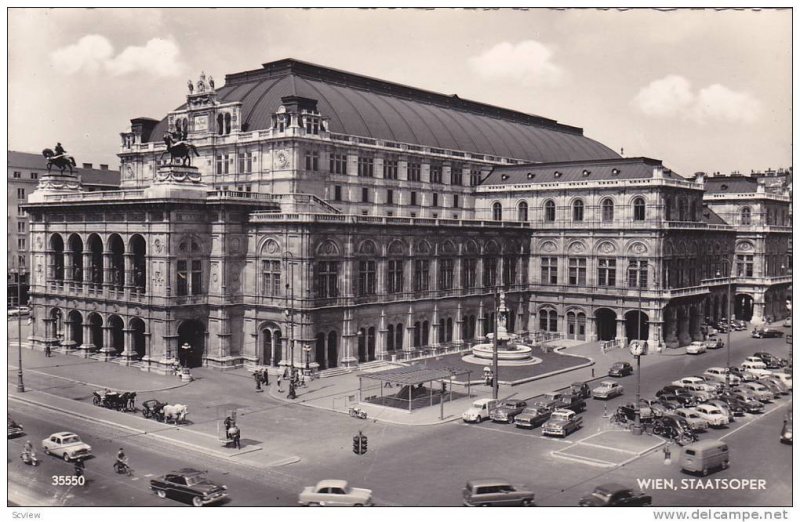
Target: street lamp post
x: 20, y: 383
x: 495, y: 363
x: 637, y: 349
x: 727, y: 263
x: 307, y: 349
x: 290, y: 308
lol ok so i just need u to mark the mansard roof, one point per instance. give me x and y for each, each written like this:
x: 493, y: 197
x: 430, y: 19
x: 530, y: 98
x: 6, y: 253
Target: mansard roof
x: 566, y: 171
x: 731, y: 185
x: 368, y: 107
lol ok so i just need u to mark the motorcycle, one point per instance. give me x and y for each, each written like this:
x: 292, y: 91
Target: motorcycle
x: 355, y: 411
x: 123, y: 468
x: 29, y: 458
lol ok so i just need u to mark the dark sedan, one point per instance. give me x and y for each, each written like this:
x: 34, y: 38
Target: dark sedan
x: 616, y: 495
x: 507, y: 410
x: 189, y: 485
x: 620, y: 369
x: 770, y: 360
x: 763, y: 333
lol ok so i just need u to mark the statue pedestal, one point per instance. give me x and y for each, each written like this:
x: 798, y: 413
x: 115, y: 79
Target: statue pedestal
x: 55, y: 184
x: 177, y: 181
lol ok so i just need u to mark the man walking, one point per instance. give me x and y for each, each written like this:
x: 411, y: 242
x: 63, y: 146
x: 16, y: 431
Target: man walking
x: 265, y: 377
x: 257, y: 377
x: 280, y: 379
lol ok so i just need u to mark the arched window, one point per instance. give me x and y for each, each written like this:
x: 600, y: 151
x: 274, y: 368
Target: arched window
x: 608, y: 210
x: 227, y: 123
x: 220, y: 124
x: 550, y: 211
x: 638, y: 209
x: 497, y: 212
x: 746, y: 216
x: 577, y: 210
x: 522, y: 211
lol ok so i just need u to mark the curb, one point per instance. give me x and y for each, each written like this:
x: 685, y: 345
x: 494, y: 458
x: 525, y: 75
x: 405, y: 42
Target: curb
x: 11, y: 367
x: 169, y: 440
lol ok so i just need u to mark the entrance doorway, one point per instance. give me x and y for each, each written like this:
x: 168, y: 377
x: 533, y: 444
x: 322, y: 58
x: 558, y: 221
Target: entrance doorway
x: 193, y: 334
x: 606, y: 324
x: 743, y: 307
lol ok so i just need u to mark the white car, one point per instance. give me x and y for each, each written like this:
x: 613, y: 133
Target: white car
x: 607, y: 390
x: 692, y: 381
x: 759, y: 369
x: 696, y: 422
x: 758, y: 390
x: 67, y: 445
x: 479, y: 411
x: 713, y: 415
x: 721, y: 375
x: 697, y: 347
x: 334, y: 493
x: 785, y: 378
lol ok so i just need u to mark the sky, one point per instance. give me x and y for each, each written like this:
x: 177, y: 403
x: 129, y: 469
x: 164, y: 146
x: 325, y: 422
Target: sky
x: 701, y: 90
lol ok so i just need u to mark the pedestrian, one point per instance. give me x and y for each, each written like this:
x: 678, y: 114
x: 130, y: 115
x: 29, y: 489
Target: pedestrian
x: 280, y: 379
x: 291, y: 394
x: 47, y: 350
x: 265, y: 377
x: 667, y: 453
x: 236, y: 436
x: 592, y: 373
x: 228, y: 424
x: 257, y: 377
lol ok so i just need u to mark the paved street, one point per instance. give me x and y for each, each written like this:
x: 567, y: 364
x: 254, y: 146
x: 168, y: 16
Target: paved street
x: 407, y: 464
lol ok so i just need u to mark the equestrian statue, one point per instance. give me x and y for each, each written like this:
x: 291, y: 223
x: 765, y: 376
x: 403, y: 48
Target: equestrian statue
x: 59, y: 158
x: 179, y: 149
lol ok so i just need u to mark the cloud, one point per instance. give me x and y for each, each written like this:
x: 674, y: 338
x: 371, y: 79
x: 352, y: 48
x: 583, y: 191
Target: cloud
x: 672, y: 97
x: 529, y: 62
x: 94, y: 53
x: 88, y: 55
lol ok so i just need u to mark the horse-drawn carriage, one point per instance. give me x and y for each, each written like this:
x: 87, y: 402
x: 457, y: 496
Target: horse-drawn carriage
x: 164, y: 412
x: 120, y: 401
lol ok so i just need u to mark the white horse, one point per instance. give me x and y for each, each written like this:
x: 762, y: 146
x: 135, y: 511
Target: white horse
x: 176, y: 412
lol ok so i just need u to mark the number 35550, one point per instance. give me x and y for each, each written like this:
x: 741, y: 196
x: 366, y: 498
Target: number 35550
x: 68, y: 480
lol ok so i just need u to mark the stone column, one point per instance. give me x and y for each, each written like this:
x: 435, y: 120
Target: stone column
x: 684, y: 338
x: 480, y: 334
x: 591, y: 328
x: 127, y: 351
x: 408, y: 338
x: 87, y: 270
x: 380, y: 342
x: 50, y: 272
x: 459, y: 326
x: 671, y: 327
x: 107, y: 349
x: 695, y: 333
x: 348, y: 339
x: 87, y: 341
x: 621, y: 330
x: 433, y: 333
x: 533, y: 317
x: 108, y: 271
x: 128, y: 273
x: 68, y: 265
x: 69, y: 342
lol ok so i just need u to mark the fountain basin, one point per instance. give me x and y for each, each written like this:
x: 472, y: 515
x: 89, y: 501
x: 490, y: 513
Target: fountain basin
x: 520, y: 352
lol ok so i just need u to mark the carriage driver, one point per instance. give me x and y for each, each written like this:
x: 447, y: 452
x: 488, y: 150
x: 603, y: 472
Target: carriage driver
x: 122, y: 460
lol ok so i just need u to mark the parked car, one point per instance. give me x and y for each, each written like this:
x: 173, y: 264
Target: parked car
x: 189, y: 485
x: 620, y: 369
x: 763, y: 333
x: 562, y: 422
x: 760, y: 391
x: 552, y: 400
x: 698, y: 382
x: 628, y: 411
x: 581, y: 389
x: 615, y: 495
x: 67, y: 445
x: 734, y: 405
x: 14, y: 429
x: 726, y: 409
x: 334, y: 493
x: 721, y: 376
x: 744, y: 375
x: 775, y: 385
x: 672, y: 390
x: 772, y: 361
x: 508, y: 409
x: 696, y: 348
x: 674, y: 427
x: 749, y: 403
x: 739, y: 325
x: 607, y: 390
x: 496, y: 492
x: 532, y: 416
x: 19, y: 311
x: 759, y: 369
x: 480, y: 410
x: 701, y: 392
x: 785, y: 378
x: 713, y: 415
x: 656, y: 406
x: 714, y: 343
x: 695, y: 421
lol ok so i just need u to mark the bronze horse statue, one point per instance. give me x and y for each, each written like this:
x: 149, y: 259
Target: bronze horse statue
x: 63, y: 161
x: 181, y: 150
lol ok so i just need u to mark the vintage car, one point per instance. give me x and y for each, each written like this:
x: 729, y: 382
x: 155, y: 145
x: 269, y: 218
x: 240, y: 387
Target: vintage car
x: 763, y: 333
x: 773, y: 362
x: 714, y: 343
x: 189, y: 485
x: 334, y: 493
x: 508, y: 409
x: 739, y: 325
x: 581, y: 389
x: 575, y: 403
x: 675, y: 428
x: 729, y: 409
x: 759, y: 391
x: 480, y: 410
x: 775, y: 385
x: 496, y: 492
x: 562, y: 422
x: 721, y: 375
x: 748, y: 403
x: 609, y: 495
x: 785, y: 378
x: 713, y: 415
x: 695, y: 421
x: 695, y: 380
x: 759, y: 369
x: 744, y: 375
x: 14, y: 429
x: 532, y: 417
x: 551, y: 400
x: 620, y: 369
x: 19, y: 311
x: 676, y: 393
x: 67, y: 445
x: 607, y: 390
x: 628, y: 411
x: 701, y: 392
x: 696, y: 348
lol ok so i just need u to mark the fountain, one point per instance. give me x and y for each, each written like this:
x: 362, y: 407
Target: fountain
x: 509, y: 351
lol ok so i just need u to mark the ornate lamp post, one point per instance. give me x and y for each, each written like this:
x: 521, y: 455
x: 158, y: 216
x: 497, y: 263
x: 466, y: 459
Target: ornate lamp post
x: 307, y: 350
x: 495, y: 363
x: 729, y: 269
x: 637, y: 347
x: 20, y: 383
x: 289, y: 312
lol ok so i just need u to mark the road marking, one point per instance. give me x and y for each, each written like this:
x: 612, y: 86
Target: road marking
x: 753, y: 418
x: 584, y: 460
x: 517, y: 433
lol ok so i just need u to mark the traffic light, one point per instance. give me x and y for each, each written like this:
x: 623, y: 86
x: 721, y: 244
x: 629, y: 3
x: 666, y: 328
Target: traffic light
x: 359, y: 444
x: 363, y: 444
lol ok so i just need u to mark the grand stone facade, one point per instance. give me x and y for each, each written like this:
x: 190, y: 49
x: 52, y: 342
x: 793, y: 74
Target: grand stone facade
x: 334, y: 220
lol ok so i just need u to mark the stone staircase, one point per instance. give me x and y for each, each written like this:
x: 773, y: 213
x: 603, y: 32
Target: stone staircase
x: 369, y: 367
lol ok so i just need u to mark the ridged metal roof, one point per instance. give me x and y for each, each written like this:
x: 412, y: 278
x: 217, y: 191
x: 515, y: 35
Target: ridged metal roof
x: 362, y: 106
x: 593, y: 170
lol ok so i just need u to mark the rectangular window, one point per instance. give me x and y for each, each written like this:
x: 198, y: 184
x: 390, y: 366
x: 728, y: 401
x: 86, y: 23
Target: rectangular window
x: 337, y: 193
x: 366, y: 167
x: 390, y: 197
x: 312, y: 124
x: 34, y: 175
x: 271, y: 278
x: 20, y: 226
x: 455, y: 200
x: 389, y: 169
x: 446, y: 269
x: 338, y: 163
x: 395, y: 276
x: 245, y: 163
x: 637, y: 274
x: 223, y: 163
x: 606, y: 272
x: 435, y: 199
x: 489, y: 271
x: 312, y: 160
x: 413, y: 198
x: 20, y: 193
x: 469, y: 272
x: 197, y: 277
x: 549, y: 271
x: 365, y: 195
x: 744, y: 266
x: 456, y: 175
x: 327, y: 279
x: 421, y: 267
x: 366, y: 278
x: 414, y: 170
x: 436, y: 173
x: 183, y: 278
x: 17, y: 175
x: 577, y: 271
x: 21, y: 243
x: 474, y: 177
x: 509, y: 270
x: 20, y: 212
